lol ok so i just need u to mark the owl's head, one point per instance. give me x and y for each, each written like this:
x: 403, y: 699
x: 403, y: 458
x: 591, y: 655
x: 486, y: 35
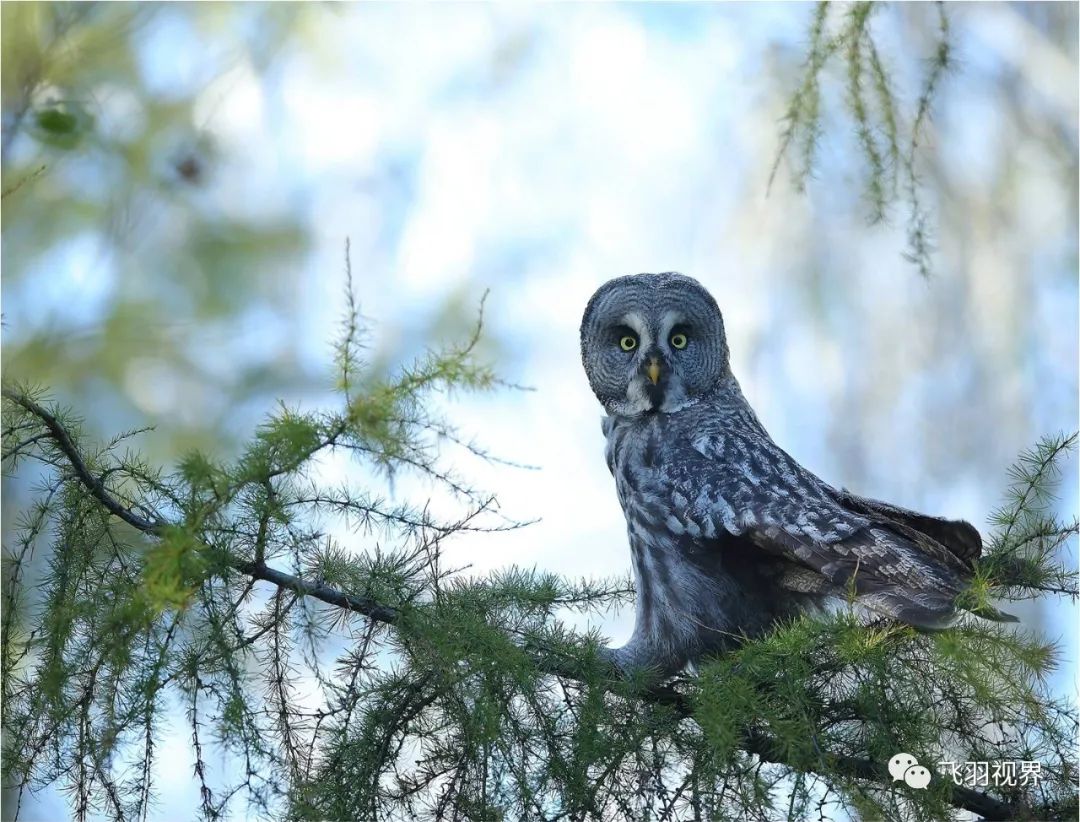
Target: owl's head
x: 652, y: 342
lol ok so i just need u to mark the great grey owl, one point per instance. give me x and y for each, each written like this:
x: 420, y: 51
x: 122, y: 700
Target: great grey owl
x: 728, y: 533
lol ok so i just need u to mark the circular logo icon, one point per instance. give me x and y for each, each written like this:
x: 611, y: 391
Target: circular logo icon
x: 917, y: 777
x: 899, y: 764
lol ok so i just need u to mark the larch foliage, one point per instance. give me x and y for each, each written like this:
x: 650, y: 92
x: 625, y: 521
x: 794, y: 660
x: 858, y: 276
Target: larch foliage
x: 889, y: 134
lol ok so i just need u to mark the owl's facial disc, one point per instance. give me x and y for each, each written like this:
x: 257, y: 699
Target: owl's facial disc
x: 652, y: 343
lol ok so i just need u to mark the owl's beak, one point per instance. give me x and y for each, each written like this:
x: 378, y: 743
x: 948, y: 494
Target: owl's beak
x: 653, y: 371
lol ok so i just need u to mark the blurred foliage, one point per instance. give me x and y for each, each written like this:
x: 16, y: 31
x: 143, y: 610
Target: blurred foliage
x: 100, y: 162
x: 890, y: 152
x: 892, y: 120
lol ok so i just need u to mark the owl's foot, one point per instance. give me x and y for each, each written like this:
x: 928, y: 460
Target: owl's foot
x: 636, y: 659
x: 609, y: 657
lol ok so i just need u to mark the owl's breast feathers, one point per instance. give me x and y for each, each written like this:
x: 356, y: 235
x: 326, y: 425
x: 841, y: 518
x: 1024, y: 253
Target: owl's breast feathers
x: 711, y: 473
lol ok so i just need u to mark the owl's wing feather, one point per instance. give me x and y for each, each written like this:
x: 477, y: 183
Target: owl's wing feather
x: 959, y: 537
x: 738, y: 481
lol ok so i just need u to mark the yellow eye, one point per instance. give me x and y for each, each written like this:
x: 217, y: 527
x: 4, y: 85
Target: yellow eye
x: 628, y: 343
x: 678, y: 341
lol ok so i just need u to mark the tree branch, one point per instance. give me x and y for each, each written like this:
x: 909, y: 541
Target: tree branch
x: 366, y: 606
x: 93, y: 484
x: 762, y: 745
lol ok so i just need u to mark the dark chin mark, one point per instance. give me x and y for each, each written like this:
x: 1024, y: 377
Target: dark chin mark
x: 656, y: 394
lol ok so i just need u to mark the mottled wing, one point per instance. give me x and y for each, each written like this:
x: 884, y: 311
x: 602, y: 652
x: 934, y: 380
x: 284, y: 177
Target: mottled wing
x: 735, y: 480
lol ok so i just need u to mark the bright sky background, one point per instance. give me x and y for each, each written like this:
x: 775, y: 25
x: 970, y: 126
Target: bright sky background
x: 537, y: 151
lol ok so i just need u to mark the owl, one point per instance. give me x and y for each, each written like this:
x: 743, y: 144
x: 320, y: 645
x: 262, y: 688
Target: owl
x: 728, y: 534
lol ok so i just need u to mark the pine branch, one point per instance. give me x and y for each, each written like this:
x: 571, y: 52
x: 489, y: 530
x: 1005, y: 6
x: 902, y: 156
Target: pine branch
x: 764, y: 746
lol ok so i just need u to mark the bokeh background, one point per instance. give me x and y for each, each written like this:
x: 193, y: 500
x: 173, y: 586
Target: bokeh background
x: 179, y: 181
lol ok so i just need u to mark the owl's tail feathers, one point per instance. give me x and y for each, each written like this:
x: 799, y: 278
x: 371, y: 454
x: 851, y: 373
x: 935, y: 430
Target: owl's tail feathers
x: 993, y: 614
x: 974, y: 600
x: 930, y: 616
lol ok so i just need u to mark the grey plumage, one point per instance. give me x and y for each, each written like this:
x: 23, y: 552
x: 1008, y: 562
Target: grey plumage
x: 728, y: 533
